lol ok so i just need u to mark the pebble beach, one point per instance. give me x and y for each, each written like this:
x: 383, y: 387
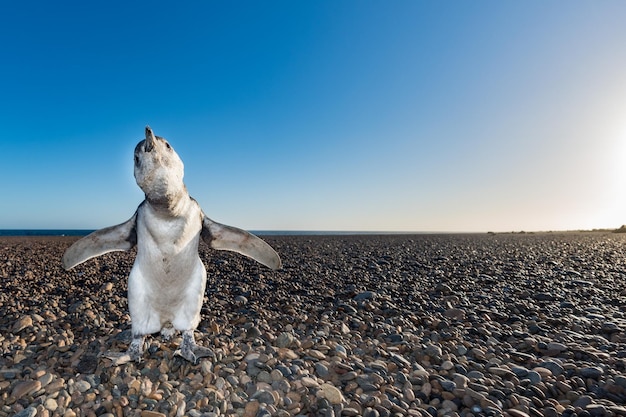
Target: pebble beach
x: 353, y: 325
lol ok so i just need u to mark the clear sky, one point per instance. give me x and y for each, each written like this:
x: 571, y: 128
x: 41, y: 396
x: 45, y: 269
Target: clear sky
x: 319, y: 115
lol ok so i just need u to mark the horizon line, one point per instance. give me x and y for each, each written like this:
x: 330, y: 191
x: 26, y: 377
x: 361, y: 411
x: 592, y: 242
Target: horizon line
x: 304, y: 232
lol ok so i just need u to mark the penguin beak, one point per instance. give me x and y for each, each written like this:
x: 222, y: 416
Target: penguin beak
x: 150, y: 139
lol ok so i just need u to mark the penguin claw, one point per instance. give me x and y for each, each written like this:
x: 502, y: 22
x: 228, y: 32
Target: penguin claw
x: 203, y: 352
x: 190, y: 350
x: 133, y: 354
x: 194, y: 353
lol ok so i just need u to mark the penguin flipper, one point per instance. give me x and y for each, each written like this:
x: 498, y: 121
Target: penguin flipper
x: 122, y: 237
x: 222, y: 237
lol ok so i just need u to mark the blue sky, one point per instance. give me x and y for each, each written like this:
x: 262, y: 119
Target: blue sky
x: 325, y: 115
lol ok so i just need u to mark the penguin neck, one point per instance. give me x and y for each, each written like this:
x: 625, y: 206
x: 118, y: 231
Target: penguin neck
x: 172, y: 204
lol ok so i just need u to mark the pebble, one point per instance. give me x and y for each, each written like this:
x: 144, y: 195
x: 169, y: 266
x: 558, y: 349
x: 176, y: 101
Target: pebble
x: 25, y: 388
x: 82, y: 386
x: 27, y: 412
x: 591, y: 372
x: 332, y: 394
x: 379, y: 326
x: 555, y: 368
x: 51, y: 404
x: 309, y: 382
x: 534, y: 377
x: 22, y: 323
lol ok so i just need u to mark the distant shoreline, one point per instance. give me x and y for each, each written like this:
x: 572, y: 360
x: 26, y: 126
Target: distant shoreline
x: 84, y: 232
x: 44, y: 232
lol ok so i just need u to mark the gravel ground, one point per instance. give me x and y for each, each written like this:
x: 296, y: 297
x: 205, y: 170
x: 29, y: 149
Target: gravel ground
x: 399, y: 325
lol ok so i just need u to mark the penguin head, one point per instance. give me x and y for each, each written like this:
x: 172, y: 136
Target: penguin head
x: 159, y: 170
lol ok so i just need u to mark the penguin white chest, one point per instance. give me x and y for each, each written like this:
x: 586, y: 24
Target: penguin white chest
x: 167, y: 282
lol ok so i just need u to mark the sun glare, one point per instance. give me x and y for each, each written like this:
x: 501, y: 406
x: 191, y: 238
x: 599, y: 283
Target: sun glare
x: 614, y: 169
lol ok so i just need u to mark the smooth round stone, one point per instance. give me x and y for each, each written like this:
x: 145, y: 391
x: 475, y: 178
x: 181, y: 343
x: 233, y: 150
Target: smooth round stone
x: 550, y: 412
x: 332, y: 393
x: 365, y: 295
x: 444, y: 288
x: 45, y: 379
x: 148, y: 413
x: 553, y: 367
x: 520, y: 371
x: 596, y: 410
x: 82, y: 386
x: 284, y: 370
x: 264, y: 376
x: 503, y: 372
x: 448, y: 385
x: 395, y: 338
x: 371, y: 412
x: 341, y: 351
x: 583, y: 401
x: 263, y: 413
x: 321, y: 369
x: 275, y: 375
x: 591, y: 372
x: 350, y: 412
x: 25, y: 388
x: 240, y: 299
x: 284, y: 340
x: 22, y: 323
x: 281, y: 385
x: 475, y: 375
x: 348, y: 376
x: 400, y: 360
x: 513, y: 412
x: 455, y: 314
x: 51, y: 404
x: 264, y: 396
x: 401, y: 378
x: 27, y: 412
x: 449, y: 405
x: 409, y: 394
x: 206, y: 367
x: 253, y: 332
x: 556, y: 346
x: 534, y: 377
x: 309, y: 382
x: 544, y: 372
x: 316, y: 354
x: 433, y: 351
x: 610, y: 327
x: 369, y: 387
x: 461, y: 381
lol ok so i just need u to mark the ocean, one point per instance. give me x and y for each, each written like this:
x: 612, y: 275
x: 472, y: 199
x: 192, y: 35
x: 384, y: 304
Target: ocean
x: 84, y: 232
x: 44, y: 232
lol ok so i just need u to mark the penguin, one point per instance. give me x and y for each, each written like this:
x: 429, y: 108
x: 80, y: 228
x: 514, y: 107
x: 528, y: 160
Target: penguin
x: 167, y: 282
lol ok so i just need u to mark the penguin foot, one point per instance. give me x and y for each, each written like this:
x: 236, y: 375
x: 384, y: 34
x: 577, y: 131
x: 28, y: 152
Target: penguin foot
x: 133, y: 354
x: 190, y: 350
